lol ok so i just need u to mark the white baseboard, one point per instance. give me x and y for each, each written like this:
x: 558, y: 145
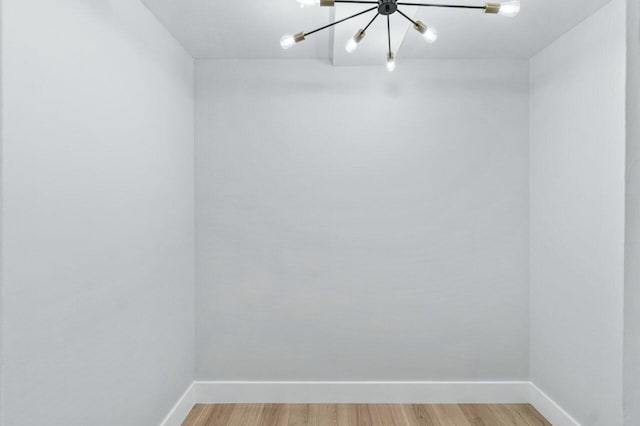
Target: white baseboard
x: 182, y: 408
x: 550, y: 409
x: 368, y: 393
x: 362, y: 392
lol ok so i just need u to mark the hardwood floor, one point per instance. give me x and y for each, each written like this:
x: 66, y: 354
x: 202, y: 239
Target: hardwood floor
x: 363, y: 415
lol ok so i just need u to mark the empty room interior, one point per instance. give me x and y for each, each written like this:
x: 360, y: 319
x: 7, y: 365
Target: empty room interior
x: 319, y: 212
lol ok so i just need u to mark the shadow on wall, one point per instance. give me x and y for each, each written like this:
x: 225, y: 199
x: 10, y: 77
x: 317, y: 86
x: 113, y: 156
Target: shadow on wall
x: 145, y: 45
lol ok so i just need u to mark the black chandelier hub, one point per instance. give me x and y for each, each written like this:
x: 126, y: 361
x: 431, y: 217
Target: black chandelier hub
x: 387, y: 7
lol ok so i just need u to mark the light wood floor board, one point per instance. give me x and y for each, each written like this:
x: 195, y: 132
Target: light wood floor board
x: 364, y: 415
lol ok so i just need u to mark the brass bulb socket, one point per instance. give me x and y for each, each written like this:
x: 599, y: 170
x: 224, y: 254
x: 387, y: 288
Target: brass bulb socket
x: 327, y: 3
x: 390, y: 57
x: 420, y: 27
x: 298, y: 37
x: 492, y: 8
x: 359, y: 36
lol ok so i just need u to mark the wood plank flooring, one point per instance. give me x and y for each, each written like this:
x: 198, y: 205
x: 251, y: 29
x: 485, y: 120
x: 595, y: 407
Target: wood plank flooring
x: 364, y: 415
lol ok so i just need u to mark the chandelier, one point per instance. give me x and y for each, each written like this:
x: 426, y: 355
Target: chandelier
x: 387, y: 8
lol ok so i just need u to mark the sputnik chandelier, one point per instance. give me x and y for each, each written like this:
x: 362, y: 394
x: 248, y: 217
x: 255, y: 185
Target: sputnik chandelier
x: 387, y: 8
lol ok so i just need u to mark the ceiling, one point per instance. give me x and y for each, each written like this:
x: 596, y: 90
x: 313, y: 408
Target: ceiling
x: 252, y: 29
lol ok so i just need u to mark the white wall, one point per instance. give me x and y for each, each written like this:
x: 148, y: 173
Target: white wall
x: 577, y: 217
x: 354, y: 224
x: 1, y: 237
x: 98, y: 214
x: 632, y: 234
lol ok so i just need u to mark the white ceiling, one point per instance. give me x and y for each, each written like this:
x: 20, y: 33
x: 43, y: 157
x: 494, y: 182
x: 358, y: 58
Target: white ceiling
x: 252, y: 29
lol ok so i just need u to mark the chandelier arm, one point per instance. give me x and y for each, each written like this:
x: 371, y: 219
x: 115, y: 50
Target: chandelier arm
x: 410, y: 20
x: 371, y: 22
x: 340, y: 21
x: 356, y: 1
x: 389, y: 32
x: 453, y: 6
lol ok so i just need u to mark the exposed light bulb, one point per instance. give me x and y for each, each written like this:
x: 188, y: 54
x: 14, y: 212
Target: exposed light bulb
x: 307, y: 3
x: 289, y: 40
x: 352, y: 44
x: 510, y: 8
x: 391, y: 62
x: 430, y: 34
